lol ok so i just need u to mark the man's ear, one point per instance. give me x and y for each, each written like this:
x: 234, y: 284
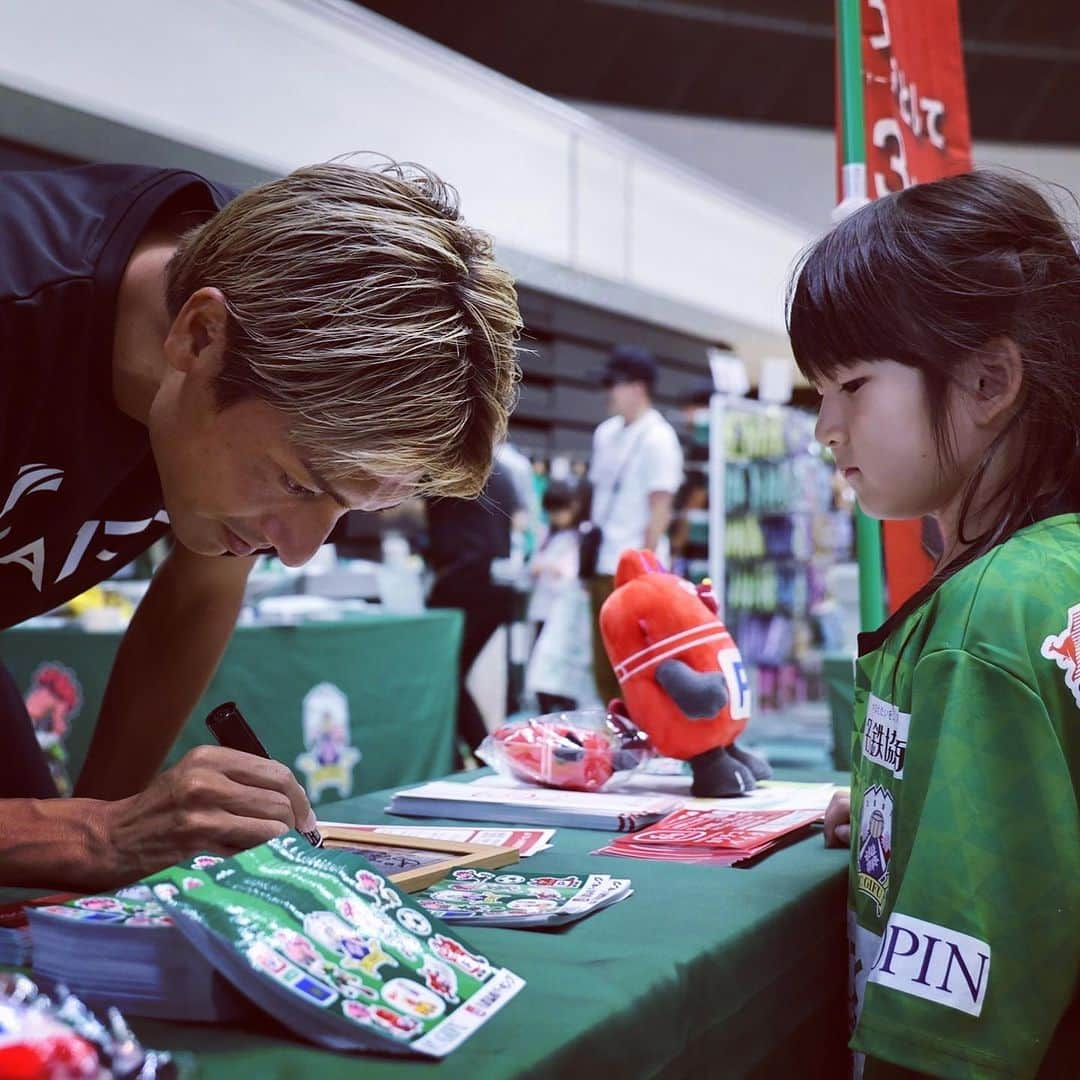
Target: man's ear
x: 195, y: 343
x: 993, y: 377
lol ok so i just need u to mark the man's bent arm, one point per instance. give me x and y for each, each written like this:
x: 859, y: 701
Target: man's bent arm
x: 660, y: 505
x: 53, y: 843
x: 165, y: 662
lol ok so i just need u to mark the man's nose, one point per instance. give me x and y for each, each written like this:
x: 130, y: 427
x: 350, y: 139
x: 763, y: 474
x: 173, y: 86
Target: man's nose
x: 297, y: 535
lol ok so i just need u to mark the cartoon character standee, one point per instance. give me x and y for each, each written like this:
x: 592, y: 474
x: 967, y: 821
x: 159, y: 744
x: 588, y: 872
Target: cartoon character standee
x: 681, y: 674
x: 329, y: 758
x: 53, y: 701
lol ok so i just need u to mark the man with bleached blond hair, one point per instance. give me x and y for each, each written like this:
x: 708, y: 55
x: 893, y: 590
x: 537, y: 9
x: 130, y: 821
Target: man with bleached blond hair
x: 240, y: 370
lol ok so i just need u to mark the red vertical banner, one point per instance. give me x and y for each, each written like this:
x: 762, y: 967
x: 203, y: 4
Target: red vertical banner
x: 917, y: 123
x: 917, y: 129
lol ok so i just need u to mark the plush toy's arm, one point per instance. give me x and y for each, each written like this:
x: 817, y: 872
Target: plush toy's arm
x: 699, y: 694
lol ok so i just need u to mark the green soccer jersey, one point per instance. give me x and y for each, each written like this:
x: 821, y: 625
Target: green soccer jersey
x: 964, y: 900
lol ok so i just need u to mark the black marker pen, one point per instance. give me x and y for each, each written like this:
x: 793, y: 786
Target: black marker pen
x: 227, y: 724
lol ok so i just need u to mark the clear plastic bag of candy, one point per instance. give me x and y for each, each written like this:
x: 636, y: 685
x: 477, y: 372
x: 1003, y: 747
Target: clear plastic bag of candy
x: 56, y: 1037
x: 583, y: 750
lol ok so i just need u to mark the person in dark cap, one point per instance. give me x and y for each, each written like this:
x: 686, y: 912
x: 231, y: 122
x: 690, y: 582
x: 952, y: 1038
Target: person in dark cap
x: 637, y: 466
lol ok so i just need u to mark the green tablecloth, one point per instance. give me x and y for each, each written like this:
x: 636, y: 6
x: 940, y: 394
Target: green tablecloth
x: 352, y: 706
x: 703, y: 972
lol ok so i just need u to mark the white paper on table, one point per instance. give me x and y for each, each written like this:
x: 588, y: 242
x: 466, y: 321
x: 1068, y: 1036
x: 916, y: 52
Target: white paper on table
x: 526, y: 841
x: 508, y: 792
x: 768, y: 795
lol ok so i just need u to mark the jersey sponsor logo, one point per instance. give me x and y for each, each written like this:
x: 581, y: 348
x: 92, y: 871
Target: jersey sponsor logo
x: 933, y: 962
x: 885, y: 735
x: 1064, y: 650
x: 875, y: 845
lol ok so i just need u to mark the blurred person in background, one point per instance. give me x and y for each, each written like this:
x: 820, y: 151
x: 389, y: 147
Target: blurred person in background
x: 465, y: 536
x: 560, y: 667
x: 636, y: 469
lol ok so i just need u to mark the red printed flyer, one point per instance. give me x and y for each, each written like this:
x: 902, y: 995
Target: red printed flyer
x: 721, y: 837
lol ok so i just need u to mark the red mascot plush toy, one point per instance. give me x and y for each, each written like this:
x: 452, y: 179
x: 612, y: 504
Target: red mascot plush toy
x: 681, y: 674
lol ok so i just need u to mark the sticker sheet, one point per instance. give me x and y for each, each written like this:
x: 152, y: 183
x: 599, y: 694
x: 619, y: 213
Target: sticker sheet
x: 494, y: 898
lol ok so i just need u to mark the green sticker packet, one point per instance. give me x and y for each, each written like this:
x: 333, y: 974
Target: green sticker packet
x: 332, y: 949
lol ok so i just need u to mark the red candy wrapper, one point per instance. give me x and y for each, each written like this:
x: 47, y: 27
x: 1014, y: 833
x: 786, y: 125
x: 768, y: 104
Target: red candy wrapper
x: 585, y: 750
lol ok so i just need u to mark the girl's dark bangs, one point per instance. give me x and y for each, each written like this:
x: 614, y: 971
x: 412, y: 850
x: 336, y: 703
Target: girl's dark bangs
x: 848, y: 302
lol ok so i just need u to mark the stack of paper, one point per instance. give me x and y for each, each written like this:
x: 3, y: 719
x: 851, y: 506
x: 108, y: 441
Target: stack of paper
x: 14, y: 937
x: 525, y: 842
x: 485, y: 800
x: 15, y: 944
x: 123, y: 949
x: 719, y: 837
x: 484, y: 898
x: 317, y: 938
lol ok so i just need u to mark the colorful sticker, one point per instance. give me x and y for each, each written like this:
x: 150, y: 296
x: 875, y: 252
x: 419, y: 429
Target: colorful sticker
x: 99, y: 903
x: 349, y: 985
x: 380, y: 1016
x: 532, y: 906
x: 141, y: 893
x: 875, y: 844
x: 440, y: 977
x: 412, y: 998
x: 403, y: 942
x: 473, y: 875
x: 297, y: 948
x: 363, y: 918
x: 414, y: 921
x: 369, y: 882
x: 453, y: 952
x: 1064, y: 650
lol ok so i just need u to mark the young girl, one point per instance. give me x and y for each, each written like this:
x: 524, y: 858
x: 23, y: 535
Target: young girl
x: 941, y: 326
x: 559, y: 672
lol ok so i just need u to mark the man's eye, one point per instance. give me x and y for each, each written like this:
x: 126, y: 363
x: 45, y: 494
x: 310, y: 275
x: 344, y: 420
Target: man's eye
x: 851, y: 385
x: 293, y: 488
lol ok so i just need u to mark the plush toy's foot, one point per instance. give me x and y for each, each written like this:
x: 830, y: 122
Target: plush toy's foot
x: 761, y: 769
x: 717, y: 773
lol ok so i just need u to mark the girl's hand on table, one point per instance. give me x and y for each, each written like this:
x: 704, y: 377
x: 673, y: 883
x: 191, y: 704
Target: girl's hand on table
x: 838, y: 820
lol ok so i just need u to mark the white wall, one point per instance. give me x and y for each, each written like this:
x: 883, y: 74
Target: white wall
x: 271, y: 84
x: 790, y: 169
